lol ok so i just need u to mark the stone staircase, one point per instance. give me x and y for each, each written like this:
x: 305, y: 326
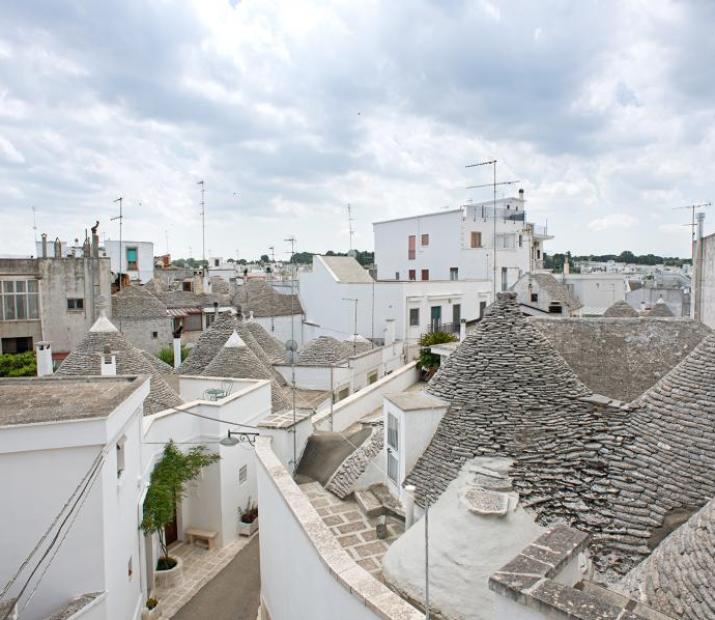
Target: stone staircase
x: 376, y: 501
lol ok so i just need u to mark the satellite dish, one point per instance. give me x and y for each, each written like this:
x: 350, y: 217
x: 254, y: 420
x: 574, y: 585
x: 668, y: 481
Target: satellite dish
x: 291, y: 345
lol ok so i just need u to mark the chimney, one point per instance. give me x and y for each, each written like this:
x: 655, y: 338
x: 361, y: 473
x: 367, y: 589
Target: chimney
x: 44, y: 245
x: 86, y: 246
x: 109, y: 363
x: 408, y: 504
x: 215, y: 310
x: 58, y: 248
x: 95, y: 241
x: 44, y: 358
x: 567, y: 266
x: 462, y: 329
x: 521, y: 194
x: 250, y: 315
x: 389, y: 331
x: 177, y: 352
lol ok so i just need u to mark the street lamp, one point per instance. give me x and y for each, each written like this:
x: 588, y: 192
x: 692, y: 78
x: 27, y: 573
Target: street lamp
x: 236, y: 437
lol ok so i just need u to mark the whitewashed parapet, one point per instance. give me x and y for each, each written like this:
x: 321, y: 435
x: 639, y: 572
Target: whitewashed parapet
x: 359, y: 404
x: 330, y: 584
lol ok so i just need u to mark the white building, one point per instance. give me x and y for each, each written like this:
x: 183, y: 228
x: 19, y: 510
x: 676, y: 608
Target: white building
x: 460, y: 244
x: 137, y: 259
x: 402, y: 309
x: 596, y: 291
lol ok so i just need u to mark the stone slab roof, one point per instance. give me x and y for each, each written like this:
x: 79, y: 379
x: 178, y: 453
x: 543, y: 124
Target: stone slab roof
x: 557, y: 291
x: 621, y: 357
x: 137, y: 302
x: 626, y: 474
x: 346, y: 269
x: 414, y: 401
x: 86, y: 359
x: 661, y: 309
x: 620, y: 309
x: 678, y: 578
x: 32, y: 400
x: 263, y: 300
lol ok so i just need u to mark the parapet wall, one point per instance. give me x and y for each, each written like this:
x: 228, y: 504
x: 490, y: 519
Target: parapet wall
x: 305, y: 573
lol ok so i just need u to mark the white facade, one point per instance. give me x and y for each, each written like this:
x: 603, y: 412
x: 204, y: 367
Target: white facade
x: 137, y: 258
x: 596, y: 291
x: 382, y: 304
x: 460, y: 244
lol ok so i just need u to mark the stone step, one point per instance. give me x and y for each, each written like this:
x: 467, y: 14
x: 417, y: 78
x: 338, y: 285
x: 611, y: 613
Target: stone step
x: 369, y: 505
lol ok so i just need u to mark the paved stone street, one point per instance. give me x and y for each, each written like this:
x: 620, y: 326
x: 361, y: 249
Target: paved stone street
x: 354, y: 531
x: 233, y: 594
x: 199, y: 567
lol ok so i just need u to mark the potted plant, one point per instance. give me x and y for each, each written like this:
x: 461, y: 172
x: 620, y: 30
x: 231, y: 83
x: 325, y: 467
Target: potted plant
x: 248, y: 522
x: 428, y: 361
x: 167, y: 487
x: 151, y: 610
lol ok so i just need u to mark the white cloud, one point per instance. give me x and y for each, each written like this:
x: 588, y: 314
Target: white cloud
x: 613, y: 222
x: 9, y: 153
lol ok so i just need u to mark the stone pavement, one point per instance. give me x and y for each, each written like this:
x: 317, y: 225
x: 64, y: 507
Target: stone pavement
x: 353, y: 530
x: 199, y: 567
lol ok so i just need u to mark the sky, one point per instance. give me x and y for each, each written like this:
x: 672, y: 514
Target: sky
x: 604, y: 111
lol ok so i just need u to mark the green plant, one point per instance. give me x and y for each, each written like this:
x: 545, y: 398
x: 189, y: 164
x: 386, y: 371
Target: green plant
x: 166, y: 354
x: 167, y: 486
x: 151, y: 602
x: 250, y: 513
x: 18, y: 365
x: 428, y: 360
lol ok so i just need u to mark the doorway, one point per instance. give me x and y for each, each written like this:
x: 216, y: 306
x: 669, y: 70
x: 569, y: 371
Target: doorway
x: 435, y: 318
x: 171, y: 530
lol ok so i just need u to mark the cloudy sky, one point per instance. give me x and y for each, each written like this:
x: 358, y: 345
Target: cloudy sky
x: 290, y: 110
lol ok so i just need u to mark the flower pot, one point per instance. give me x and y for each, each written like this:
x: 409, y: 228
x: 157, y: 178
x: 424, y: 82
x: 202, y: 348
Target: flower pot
x: 152, y: 614
x: 170, y: 577
x: 247, y: 529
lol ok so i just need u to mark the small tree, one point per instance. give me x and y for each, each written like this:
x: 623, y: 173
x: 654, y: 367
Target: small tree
x: 166, y: 354
x: 429, y: 362
x: 167, y: 486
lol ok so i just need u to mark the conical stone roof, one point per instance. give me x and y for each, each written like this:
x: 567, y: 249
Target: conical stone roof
x: 86, y: 359
x: 236, y: 360
x: 677, y: 579
x: 273, y: 347
x: 661, y: 309
x: 620, y: 309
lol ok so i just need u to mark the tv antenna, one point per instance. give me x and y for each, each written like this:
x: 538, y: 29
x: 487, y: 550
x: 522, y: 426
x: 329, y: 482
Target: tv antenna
x: 493, y: 163
x: 120, y: 217
x: 291, y: 240
x: 203, y: 224
x: 350, y: 225
x: 34, y: 224
x: 693, y: 207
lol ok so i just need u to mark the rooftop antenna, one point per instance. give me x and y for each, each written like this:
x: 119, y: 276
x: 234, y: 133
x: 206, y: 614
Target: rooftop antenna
x: 203, y: 222
x: 350, y: 225
x: 693, y: 207
x: 34, y: 224
x: 292, y: 348
x: 493, y: 163
x: 120, y: 217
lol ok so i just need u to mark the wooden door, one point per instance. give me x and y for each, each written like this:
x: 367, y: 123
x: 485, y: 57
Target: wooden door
x: 171, y: 531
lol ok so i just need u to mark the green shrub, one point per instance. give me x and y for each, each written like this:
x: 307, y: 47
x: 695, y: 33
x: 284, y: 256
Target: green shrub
x: 167, y: 354
x: 18, y: 365
x: 429, y: 361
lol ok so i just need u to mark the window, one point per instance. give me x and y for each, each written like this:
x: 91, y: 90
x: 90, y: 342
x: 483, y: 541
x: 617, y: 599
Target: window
x: 132, y: 260
x: 482, y: 308
x: 15, y: 345
x: 411, y: 249
x: 454, y: 273
x: 397, y: 275
x: 392, y: 467
x: 192, y: 323
x: 414, y: 317
x: 535, y: 297
x: 504, y: 274
x: 538, y: 253
x: 75, y: 303
x: 456, y: 315
x: 425, y: 274
x: 210, y: 318
x: 424, y: 240
x: 343, y: 393
x: 521, y: 241
x: 412, y: 274
x: 392, y: 432
x: 155, y: 334
x: 19, y: 300
x: 216, y: 262
x: 243, y: 474
x: 475, y: 240
x: 555, y: 308
x: 187, y: 286
x: 120, y: 456
x: 372, y: 377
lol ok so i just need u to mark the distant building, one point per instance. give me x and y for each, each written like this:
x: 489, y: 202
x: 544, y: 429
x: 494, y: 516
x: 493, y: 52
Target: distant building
x: 135, y: 259
x: 460, y: 244
x: 546, y: 294
x: 51, y: 299
x: 143, y: 318
x: 596, y: 291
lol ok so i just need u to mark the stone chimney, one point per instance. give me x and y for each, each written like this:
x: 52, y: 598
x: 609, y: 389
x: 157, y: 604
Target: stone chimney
x: 44, y: 245
x: 521, y: 194
x: 462, y: 329
x: 95, y: 241
x: 389, y: 331
x: 86, y: 246
x: 58, y: 248
x: 109, y: 363
x: 177, y: 352
x: 44, y: 358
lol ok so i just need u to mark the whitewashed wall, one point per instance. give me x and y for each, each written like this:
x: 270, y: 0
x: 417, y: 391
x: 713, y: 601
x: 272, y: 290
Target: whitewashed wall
x: 305, y: 573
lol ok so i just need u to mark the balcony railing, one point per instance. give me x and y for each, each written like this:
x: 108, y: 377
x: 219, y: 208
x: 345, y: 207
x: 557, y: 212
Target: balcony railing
x: 438, y: 326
